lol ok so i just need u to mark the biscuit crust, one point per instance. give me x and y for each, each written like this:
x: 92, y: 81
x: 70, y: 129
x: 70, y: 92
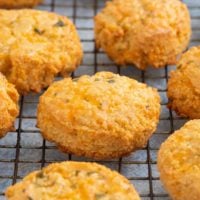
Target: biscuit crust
x: 143, y: 32
x: 18, y: 3
x: 73, y: 180
x: 179, y: 162
x: 184, y: 85
x: 35, y: 47
x: 101, y: 116
x: 8, y: 105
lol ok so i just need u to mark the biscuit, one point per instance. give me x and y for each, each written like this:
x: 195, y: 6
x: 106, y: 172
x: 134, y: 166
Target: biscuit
x: 73, y: 180
x: 143, y: 32
x: 102, y: 116
x: 8, y: 106
x: 179, y: 162
x: 35, y: 47
x: 18, y: 3
x: 184, y: 85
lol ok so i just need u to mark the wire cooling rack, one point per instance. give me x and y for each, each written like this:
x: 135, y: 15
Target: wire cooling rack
x: 25, y: 150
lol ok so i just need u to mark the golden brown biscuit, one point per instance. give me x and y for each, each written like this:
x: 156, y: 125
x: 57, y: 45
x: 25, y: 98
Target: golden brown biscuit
x: 18, y: 3
x: 35, y: 47
x: 71, y: 181
x: 184, y: 85
x: 179, y: 162
x: 101, y: 116
x: 8, y: 105
x: 143, y: 32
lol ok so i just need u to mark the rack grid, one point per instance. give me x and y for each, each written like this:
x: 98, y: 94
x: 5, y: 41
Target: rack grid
x: 25, y: 150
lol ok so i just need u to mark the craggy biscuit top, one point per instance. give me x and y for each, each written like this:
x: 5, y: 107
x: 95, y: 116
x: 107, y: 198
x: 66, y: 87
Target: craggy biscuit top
x: 103, y: 92
x: 18, y: 3
x: 179, y: 162
x: 73, y: 180
x: 106, y: 101
x: 8, y: 105
x: 143, y: 32
x: 35, y: 46
x: 189, y: 65
x: 101, y: 116
x: 184, y: 85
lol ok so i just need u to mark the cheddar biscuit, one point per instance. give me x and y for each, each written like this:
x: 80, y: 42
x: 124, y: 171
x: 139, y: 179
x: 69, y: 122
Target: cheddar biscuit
x: 8, y: 105
x: 35, y: 47
x: 101, y: 116
x: 18, y: 3
x: 179, y: 162
x: 184, y: 85
x: 143, y: 32
x: 73, y: 180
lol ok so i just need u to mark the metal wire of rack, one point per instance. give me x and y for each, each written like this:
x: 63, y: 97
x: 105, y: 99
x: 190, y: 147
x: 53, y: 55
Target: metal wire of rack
x: 25, y: 150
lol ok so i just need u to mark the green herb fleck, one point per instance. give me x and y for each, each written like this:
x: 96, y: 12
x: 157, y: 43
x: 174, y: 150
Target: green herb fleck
x: 111, y: 81
x: 75, y: 79
x: 38, y: 31
x: 30, y: 198
x: 77, y: 172
x: 59, y: 23
x: 40, y: 174
x: 96, y: 79
x: 90, y: 173
x: 43, y: 180
x: 99, y: 105
x: 99, y: 196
